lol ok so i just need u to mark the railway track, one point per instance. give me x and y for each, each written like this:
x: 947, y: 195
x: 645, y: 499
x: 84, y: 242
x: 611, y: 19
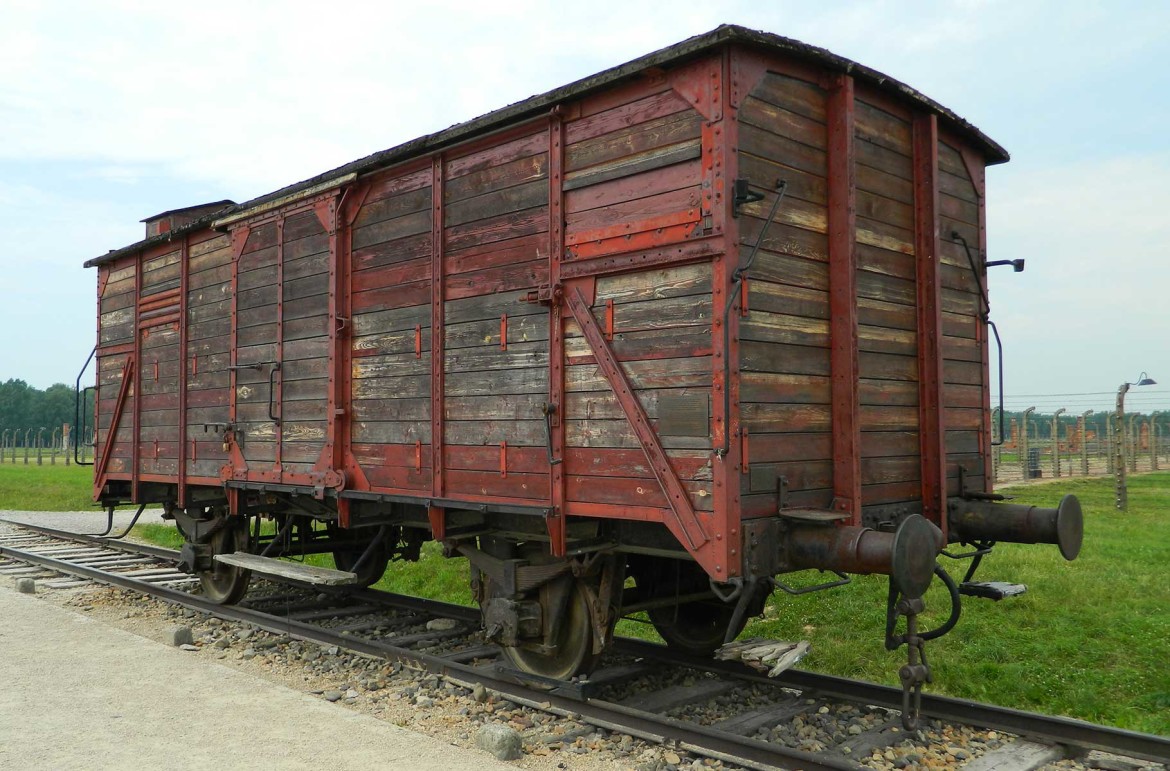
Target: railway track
x: 713, y: 709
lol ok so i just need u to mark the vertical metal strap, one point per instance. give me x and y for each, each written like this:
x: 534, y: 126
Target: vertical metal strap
x: 276, y: 384
x: 437, y: 316
x: 843, y: 362
x: 931, y: 431
x: 556, y: 351
x: 184, y: 270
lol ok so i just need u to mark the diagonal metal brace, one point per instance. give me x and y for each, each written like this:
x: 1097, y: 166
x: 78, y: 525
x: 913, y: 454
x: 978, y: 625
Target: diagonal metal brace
x: 680, y: 501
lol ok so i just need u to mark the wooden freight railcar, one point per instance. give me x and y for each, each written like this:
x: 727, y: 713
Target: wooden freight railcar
x: 700, y: 320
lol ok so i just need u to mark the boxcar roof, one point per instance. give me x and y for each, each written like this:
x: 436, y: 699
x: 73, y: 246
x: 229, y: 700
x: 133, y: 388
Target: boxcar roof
x: 535, y: 105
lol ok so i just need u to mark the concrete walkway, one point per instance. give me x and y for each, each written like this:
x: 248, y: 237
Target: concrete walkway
x: 92, y: 521
x: 76, y: 694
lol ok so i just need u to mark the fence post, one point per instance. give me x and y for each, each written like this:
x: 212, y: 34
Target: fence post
x: 1153, y: 441
x: 40, y: 445
x: 26, y: 443
x: 996, y: 436
x: 1056, y: 442
x: 1024, y: 443
x: 66, y: 435
x: 1083, y: 428
x: 1133, y: 444
x: 3, y: 444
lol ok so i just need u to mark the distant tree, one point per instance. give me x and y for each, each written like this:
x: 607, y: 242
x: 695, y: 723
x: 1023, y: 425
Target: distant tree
x: 23, y: 407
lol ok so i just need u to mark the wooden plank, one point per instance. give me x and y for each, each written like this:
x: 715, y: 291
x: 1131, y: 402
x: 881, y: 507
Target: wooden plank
x: 498, y: 228
x: 790, y: 359
x: 495, y: 177
x: 640, y: 165
x: 778, y: 120
x: 505, y: 278
x: 493, y: 204
x: 767, y: 387
x: 296, y: 571
x: 792, y: 94
x: 632, y: 140
x: 883, y: 129
x: 618, y: 118
x: 762, y: 143
x: 393, y: 206
x: 693, y: 372
x: 802, y: 185
x: 495, y: 155
x: 508, y: 381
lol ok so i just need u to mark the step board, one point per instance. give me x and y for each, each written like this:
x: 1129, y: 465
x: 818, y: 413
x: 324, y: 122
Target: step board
x: 294, y: 571
x: 991, y: 590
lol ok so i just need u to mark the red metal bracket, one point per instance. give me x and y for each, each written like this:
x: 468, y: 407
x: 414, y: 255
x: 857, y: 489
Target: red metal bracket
x: 609, y: 320
x: 503, y: 459
x: 504, y: 332
x: 438, y: 519
x: 239, y: 239
x: 685, y: 523
x: 700, y: 85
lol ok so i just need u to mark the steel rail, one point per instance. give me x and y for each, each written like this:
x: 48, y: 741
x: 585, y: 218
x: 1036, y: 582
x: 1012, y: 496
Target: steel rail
x: 1050, y: 728
x: 1053, y: 729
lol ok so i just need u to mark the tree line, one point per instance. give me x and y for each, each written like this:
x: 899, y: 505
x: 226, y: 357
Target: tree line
x: 23, y: 407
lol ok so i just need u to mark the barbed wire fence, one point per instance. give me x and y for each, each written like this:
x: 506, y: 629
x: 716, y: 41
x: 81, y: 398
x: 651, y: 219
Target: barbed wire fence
x: 1048, y: 436
x: 42, y: 446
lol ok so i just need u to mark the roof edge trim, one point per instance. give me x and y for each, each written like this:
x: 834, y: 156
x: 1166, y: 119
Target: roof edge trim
x: 278, y: 203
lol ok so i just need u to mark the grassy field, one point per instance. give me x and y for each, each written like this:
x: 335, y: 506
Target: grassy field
x: 1090, y: 639
x: 46, y: 488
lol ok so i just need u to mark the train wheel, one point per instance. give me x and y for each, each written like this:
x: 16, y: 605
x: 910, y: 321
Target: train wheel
x: 574, y: 646
x: 226, y: 584
x: 697, y: 628
x: 347, y: 558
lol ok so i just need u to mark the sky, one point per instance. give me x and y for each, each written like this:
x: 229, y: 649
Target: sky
x: 114, y: 111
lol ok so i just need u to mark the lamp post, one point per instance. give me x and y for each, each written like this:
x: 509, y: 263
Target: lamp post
x: 1119, y: 440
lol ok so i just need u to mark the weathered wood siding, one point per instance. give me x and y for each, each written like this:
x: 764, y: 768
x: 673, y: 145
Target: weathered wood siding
x: 495, y: 250
x: 633, y: 175
x: 886, y: 306
x: 964, y: 371
x: 784, y: 348
x: 662, y: 337
x: 209, y: 287
x: 116, y: 332
x: 391, y: 341
x: 256, y: 334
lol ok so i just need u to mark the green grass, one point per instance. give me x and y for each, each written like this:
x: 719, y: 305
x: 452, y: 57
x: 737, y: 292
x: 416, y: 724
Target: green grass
x: 1090, y: 639
x: 46, y: 488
